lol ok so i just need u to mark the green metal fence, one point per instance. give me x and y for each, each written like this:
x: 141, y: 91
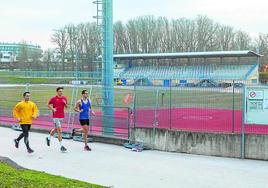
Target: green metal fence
x: 182, y: 108
x: 41, y: 93
x: 205, y: 109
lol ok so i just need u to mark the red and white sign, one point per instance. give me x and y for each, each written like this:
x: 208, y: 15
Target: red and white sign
x: 255, y: 94
x: 252, y: 94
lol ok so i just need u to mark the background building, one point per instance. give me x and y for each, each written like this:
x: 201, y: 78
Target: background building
x: 11, y: 53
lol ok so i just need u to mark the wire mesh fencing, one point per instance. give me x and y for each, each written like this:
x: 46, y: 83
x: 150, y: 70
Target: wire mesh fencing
x: 199, y: 108
x: 117, y: 125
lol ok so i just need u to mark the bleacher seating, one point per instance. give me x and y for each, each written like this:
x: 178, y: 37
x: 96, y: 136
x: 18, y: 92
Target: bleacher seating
x: 187, y: 72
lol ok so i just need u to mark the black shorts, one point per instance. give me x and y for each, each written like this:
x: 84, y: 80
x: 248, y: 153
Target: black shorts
x: 84, y: 122
x: 25, y: 127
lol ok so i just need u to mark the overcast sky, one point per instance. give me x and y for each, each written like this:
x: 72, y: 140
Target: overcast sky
x: 34, y: 20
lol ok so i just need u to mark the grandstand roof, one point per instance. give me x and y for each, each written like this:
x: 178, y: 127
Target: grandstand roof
x: 215, y: 54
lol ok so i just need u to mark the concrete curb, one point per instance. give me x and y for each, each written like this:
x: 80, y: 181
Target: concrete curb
x: 11, y: 163
x: 96, y: 138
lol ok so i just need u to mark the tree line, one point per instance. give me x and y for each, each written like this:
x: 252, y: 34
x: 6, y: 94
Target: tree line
x: 78, y: 45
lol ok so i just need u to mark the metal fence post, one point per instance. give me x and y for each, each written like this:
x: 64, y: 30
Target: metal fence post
x: 243, y: 125
x: 170, y: 110
x: 233, y: 106
x: 27, y: 87
x: 156, y: 107
x: 155, y: 119
x: 134, y: 105
x: 128, y: 123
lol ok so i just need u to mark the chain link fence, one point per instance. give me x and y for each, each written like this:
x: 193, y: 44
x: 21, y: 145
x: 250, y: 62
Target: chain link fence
x: 41, y: 93
x: 191, y: 108
x: 177, y: 107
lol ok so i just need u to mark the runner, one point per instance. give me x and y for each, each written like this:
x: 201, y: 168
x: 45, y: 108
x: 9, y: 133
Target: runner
x: 83, y: 106
x: 57, y: 104
x: 24, y: 111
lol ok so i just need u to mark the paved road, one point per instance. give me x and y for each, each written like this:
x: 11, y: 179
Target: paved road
x: 119, y: 167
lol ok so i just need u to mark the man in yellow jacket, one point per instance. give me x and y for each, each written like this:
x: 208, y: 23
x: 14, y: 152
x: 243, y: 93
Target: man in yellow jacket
x: 24, y: 111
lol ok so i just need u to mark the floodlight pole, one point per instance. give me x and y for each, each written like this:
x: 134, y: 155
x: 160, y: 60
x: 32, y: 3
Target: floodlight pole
x: 107, y: 65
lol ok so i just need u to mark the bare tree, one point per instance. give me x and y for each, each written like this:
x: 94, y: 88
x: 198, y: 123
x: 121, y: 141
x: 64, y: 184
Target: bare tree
x: 132, y: 33
x: 261, y: 46
x: 183, y: 38
x: 225, y: 38
x: 60, y: 39
x: 119, y: 37
x: 72, y: 32
x: 24, y: 56
x: 162, y: 38
x: 205, y: 31
x: 147, y: 34
x: 88, y: 42
x: 261, y: 43
x: 242, y: 40
x: 48, y: 59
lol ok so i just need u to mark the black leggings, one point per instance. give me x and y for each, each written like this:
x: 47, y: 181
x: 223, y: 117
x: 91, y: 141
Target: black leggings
x: 25, y: 134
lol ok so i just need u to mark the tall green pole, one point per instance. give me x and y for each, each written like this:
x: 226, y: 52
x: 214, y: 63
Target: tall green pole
x: 107, y: 67
x: 233, y: 107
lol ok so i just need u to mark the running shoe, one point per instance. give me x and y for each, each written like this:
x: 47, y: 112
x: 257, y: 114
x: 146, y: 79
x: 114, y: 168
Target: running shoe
x: 63, y: 149
x: 30, y: 150
x: 73, y: 132
x: 48, y: 141
x: 16, y: 143
x: 87, y: 148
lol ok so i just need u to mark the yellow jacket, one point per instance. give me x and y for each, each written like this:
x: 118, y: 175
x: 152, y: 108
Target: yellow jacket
x: 25, y: 111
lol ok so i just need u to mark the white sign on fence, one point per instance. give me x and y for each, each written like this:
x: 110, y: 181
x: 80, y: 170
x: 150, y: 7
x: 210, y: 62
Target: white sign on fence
x: 256, y: 105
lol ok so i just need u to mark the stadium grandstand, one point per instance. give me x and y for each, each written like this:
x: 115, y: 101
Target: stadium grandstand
x: 190, y: 68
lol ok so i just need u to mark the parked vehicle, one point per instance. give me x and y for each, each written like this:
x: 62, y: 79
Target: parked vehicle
x: 207, y: 83
x: 238, y: 85
x: 224, y: 84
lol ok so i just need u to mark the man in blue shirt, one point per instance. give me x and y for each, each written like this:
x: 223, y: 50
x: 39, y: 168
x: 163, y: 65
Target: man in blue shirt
x: 83, y: 106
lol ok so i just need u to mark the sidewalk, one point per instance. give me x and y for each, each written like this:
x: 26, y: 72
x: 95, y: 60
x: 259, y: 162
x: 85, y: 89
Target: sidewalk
x: 116, y: 166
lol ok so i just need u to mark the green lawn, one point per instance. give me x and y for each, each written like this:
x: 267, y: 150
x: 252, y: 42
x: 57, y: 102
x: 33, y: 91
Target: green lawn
x: 188, y: 98
x: 13, y: 178
x: 41, y: 94
x: 145, y: 98
x: 7, y: 79
x: 17, y: 77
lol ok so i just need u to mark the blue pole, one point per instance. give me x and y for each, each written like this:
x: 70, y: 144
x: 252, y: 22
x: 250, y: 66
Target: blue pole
x: 107, y: 68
